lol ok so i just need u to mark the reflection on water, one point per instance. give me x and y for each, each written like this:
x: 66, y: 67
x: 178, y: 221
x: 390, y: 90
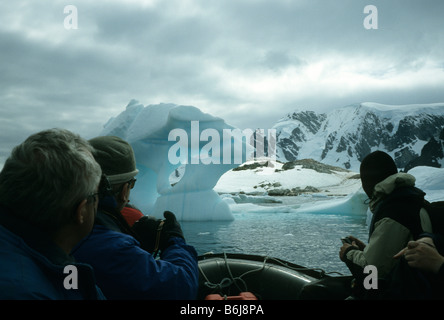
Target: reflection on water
x: 311, y: 240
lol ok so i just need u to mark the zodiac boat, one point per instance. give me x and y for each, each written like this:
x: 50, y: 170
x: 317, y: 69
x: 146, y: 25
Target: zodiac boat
x: 227, y: 275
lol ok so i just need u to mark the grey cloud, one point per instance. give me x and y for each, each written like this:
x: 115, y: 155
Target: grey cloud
x: 78, y: 79
x: 278, y: 60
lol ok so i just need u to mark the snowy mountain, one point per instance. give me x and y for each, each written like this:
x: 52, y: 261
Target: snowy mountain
x: 412, y: 134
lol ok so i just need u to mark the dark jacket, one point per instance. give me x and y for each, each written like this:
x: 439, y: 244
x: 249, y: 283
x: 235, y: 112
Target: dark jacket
x: 397, y: 219
x: 125, y: 271
x: 32, y: 266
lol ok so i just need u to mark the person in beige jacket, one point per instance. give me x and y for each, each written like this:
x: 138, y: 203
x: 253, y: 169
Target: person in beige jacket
x: 398, y: 216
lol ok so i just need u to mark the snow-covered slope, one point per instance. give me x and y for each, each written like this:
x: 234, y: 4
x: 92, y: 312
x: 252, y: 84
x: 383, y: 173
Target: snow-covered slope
x: 322, y: 189
x: 431, y: 181
x: 344, y: 136
x: 278, y: 179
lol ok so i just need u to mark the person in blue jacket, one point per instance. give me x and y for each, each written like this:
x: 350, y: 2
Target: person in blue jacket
x: 48, y: 201
x: 124, y: 264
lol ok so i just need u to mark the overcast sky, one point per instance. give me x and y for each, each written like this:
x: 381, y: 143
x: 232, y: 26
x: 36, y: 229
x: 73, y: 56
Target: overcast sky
x: 247, y: 61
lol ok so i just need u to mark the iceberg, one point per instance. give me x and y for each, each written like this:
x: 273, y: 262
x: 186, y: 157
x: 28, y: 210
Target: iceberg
x: 167, y: 138
x: 353, y: 204
x: 430, y: 180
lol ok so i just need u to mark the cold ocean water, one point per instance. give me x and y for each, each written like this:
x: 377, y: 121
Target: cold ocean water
x: 307, y: 239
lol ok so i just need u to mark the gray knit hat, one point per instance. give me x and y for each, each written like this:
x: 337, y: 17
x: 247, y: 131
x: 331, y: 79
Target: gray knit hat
x: 116, y: 157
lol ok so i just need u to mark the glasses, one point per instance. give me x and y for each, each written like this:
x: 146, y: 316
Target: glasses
x: 132, y: 182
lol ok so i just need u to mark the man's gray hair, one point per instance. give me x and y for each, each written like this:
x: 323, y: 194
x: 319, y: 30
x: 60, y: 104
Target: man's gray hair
x: 47, y: 176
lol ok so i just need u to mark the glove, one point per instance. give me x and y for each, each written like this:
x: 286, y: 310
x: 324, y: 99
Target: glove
x: 171, y: 228
x: 146, y: 229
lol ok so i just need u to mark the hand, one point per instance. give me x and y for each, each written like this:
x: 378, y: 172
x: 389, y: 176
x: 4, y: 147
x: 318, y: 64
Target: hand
x: 146, y: 231
x: 358, y: 243
x: 423, y: 255
x: 413, y: 244
x: 345, y: 247
x: 171, y: 228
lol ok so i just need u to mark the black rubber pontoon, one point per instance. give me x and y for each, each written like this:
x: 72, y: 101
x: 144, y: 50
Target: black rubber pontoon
x: 267, y: 278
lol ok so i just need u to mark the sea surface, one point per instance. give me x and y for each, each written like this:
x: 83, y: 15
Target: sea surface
x: 307, y: 239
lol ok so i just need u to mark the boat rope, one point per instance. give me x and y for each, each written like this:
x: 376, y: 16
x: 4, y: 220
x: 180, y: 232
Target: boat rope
x: 228, y: 281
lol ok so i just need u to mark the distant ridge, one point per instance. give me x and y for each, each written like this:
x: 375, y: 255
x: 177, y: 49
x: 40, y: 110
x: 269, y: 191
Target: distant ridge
x: 412, y: 134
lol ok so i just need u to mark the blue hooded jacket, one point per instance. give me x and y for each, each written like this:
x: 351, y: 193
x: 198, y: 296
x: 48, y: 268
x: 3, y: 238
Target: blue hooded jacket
x: 125, y: 271
x: 32, y: 266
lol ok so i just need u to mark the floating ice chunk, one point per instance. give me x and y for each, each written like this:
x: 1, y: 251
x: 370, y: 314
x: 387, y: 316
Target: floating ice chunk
x: 431, y: 181
x: 191, y: 197
x: 353, y: 204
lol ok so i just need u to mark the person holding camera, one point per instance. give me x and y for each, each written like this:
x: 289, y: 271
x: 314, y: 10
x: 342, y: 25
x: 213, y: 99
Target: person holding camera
x: 123, y: 256
x: 398, y: 217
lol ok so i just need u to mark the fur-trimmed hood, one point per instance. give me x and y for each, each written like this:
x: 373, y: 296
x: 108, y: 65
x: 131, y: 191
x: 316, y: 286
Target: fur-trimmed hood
x: 387, y: 186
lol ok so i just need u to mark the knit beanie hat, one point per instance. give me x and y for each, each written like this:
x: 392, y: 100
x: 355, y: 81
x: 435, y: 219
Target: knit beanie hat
x: 376, y: 167
x: 116, y: 157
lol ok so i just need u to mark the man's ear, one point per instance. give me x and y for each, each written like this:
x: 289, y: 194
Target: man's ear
x: 124, y: 194
x: 81, y: 211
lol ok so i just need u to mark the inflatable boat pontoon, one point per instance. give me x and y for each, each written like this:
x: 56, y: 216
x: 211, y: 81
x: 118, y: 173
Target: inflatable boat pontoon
x: 228, y: 274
